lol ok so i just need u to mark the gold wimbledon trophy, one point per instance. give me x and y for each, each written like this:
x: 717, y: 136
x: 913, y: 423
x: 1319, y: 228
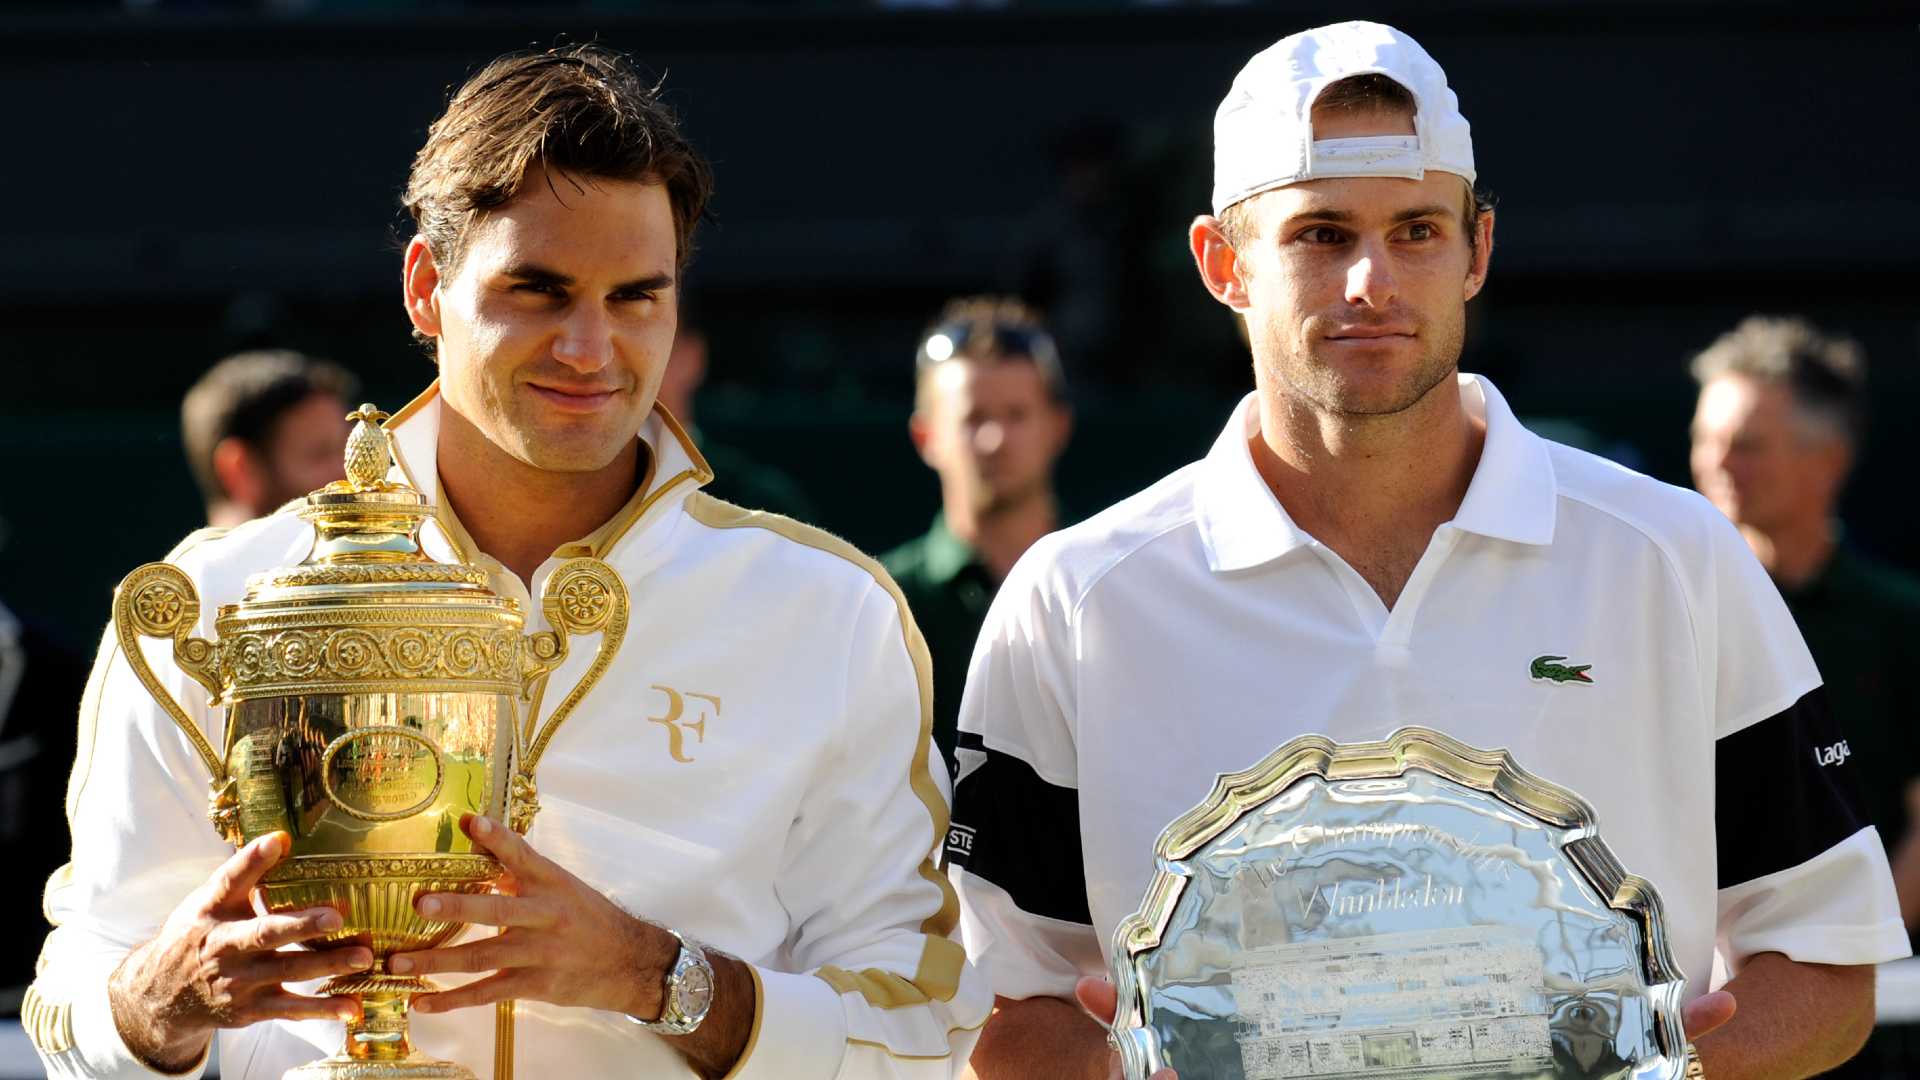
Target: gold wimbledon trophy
x: 372, y: 698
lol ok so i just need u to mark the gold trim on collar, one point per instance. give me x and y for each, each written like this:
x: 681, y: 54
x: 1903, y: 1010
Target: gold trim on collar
x: 596, y: 543
x: 601, y: 540
x: 701, y: 473
x: 406, y: 413
x: 419, y: 402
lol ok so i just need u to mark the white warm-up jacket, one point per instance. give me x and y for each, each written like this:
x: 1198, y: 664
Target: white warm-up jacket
x: 796, y: 827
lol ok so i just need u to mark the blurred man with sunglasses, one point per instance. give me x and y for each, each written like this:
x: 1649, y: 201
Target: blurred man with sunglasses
x: 990, y: 418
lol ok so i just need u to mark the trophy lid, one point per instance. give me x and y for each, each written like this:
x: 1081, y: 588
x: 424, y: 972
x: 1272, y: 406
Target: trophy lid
x: 368, y: 605
x: 367, y: 527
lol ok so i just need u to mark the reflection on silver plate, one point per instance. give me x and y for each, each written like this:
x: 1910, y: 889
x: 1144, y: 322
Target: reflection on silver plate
x: 1412, y: 908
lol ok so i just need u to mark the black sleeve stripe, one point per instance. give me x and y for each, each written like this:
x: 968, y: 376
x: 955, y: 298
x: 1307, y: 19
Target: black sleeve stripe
x: 1785, y: 790
x: 1016, y: 830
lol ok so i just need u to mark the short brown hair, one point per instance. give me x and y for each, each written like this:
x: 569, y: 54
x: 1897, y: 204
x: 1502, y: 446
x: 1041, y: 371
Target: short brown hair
x: 244, y: 397
x: 1368, y: 93
x: 583, y: 111
x: 991, y: 330
x: 1826, y: 374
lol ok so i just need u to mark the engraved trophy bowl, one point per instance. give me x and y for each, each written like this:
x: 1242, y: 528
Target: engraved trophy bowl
x: 1410, y: 908
x: 373, y: 698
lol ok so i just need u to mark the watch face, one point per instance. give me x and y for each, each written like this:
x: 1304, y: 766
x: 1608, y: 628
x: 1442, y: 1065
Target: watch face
x: 696, y: 991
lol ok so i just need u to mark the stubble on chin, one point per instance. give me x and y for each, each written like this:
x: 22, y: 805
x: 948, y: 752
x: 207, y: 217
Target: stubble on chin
x: 574, y: 452
x: 991, y: 500
x: 1333, y: 387
x: 557, y: 447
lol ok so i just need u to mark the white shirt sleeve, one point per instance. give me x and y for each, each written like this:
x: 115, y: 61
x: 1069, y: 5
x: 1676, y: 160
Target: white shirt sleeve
x: 141, y: 842
x: 884, y: 989
x: 1800, y: 871
x: 1014, y: 850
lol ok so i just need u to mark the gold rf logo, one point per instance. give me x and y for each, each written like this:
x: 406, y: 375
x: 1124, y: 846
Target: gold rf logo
x: 676, y: 723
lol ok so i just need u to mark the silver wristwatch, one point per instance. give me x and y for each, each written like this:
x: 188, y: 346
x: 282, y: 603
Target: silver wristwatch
x: 689, y: 992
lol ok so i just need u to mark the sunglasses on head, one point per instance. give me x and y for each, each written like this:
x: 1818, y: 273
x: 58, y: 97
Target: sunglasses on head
x: 962, y: 338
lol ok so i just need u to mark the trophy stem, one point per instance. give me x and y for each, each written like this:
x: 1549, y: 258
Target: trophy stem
x: 377, y: 1047
x: 381, y: 1032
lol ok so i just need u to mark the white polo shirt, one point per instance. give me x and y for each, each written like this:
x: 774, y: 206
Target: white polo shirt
x: 1193, y: 628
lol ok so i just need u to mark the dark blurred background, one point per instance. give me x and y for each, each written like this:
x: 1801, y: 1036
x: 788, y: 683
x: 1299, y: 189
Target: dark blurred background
x: 186, y: 179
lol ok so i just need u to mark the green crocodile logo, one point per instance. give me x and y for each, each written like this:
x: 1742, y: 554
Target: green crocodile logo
x: 1550, y: 669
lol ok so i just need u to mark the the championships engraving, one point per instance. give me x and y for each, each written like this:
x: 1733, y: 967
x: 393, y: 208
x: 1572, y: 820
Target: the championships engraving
x: 1411, y: 908
x: 383, y: 773
x: 1417, y: 1001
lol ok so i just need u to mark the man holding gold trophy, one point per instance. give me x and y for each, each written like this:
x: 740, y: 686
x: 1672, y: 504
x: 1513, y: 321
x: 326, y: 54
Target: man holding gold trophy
x: 1379, y: 571
x: 712, y: 718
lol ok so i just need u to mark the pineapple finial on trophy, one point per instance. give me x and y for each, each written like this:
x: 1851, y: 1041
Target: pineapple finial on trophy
x: 368, y: 453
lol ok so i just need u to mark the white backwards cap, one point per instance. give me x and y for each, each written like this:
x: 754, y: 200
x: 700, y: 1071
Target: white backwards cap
x: 1263, y: 133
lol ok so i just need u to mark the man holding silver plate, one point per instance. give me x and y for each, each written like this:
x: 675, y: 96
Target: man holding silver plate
x: 1496, y: 746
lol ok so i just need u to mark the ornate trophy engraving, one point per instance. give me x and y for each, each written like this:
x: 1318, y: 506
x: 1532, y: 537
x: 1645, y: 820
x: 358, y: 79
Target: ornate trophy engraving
x: 372, y: 699
x: 1411, y: 908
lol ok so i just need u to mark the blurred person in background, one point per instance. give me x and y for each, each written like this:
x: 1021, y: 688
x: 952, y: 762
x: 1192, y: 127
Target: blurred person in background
x: 737, y: 476
x: 41, y: 680
x: 1777, y: 428
x: 990, y: 418
x: 262, y: 428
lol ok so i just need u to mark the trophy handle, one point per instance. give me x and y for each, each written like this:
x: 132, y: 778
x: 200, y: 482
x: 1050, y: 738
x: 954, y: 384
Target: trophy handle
x: 158, y: 600
x: 1139, y: 1050
x: 583, y: 596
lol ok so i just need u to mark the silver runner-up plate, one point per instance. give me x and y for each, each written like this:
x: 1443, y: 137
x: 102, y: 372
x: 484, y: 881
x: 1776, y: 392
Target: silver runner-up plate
x: 1412, y: 908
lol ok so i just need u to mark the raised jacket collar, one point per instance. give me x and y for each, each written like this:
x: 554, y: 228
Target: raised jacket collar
x: 674, y: 469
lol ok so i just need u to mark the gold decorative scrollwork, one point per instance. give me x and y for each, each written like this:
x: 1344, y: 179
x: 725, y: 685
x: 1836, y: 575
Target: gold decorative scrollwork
x: 523, y: 803
x: 465, y: 653
x: 248, y: 659
x: 276, y: 657
x: 352, y: 652
x: 586, y: 602
x: 158, y: 609
x: 223, y: 807
x: 545, y: 650
x: 409, y: 573
x: 582, y: 596
x: 446, y: 867
x: 411, y: 651
x: 298, y: 654
x: 159, y: 600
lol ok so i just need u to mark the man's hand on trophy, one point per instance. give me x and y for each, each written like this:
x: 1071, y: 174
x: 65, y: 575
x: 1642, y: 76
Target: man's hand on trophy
x: 1097, y: 997
x: 561, y: 940
x: 217, y: 964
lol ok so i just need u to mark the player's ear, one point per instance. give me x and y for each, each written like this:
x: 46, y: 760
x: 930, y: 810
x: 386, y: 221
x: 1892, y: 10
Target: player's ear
x: 1219, y: 265
x: 419, y: 287
x: 1482, y: 254
x: 921, y: 432
x: 238, y: 470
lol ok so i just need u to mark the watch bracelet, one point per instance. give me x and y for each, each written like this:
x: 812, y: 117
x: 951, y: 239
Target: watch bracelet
x: 668, y: 1023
